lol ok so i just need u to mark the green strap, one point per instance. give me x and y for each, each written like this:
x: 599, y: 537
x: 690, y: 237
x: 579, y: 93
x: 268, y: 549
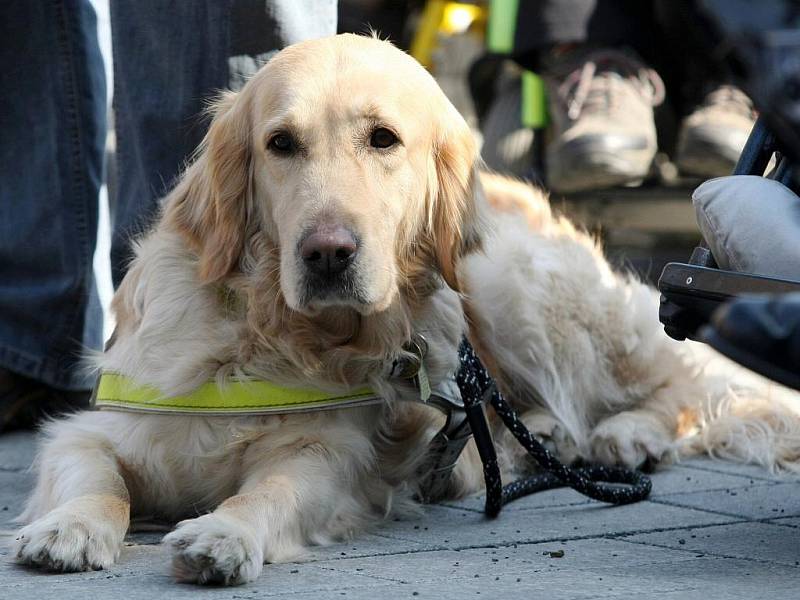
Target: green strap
x: 237, y: 396
x: 502, y: 25
x: 534, y: 101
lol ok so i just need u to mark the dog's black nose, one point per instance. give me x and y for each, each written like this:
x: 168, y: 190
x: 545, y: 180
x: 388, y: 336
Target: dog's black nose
x: 328, y: 250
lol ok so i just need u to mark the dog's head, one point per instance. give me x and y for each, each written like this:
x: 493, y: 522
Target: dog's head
x: 343, y: 156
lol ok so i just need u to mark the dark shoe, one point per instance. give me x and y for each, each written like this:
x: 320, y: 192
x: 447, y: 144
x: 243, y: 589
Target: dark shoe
x: 761, y: 333
x: 603, y: 130
x: 712, y: 137
x: 25, y: 402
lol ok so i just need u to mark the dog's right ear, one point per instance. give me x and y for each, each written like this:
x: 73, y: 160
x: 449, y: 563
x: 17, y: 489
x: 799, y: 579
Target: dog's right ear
x: 210, y: 204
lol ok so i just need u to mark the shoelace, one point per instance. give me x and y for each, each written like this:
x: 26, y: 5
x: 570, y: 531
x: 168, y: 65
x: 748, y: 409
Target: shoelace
x: 595, y: 83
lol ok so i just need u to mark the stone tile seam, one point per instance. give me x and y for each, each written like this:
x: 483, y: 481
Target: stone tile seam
x: 773, y: 479
x: 714, y: 512
x: 712, y: 554
x: 533, y: 542
x: 591, y: 502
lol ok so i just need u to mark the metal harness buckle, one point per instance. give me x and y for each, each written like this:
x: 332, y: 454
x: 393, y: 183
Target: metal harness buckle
x: 447, y: 445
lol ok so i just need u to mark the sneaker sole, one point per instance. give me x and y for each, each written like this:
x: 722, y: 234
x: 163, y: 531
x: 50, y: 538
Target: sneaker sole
x: 597, y: 172
x: 705, y: 164
x: 702, y: 157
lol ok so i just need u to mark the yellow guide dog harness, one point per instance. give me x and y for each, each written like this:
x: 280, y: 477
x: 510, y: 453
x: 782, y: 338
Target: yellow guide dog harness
x: 236, y: 397
x: 461, y: 397
x: 254, y: 396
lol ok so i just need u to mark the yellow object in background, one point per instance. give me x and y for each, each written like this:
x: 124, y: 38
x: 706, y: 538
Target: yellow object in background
x: 442, y: 18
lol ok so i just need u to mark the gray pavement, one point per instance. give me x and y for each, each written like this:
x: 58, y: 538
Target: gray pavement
x: 711, y: 530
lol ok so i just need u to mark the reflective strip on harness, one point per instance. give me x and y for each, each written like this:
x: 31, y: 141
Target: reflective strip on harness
x: 235, y: 397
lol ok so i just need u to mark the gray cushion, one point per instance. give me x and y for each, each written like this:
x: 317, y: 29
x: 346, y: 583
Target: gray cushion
x: 751, y: 224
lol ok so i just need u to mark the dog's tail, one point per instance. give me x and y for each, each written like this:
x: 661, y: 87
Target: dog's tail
x: 744, y: 418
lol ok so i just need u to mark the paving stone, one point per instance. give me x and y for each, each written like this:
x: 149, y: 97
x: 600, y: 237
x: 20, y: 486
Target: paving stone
x: 549, y: 498
x: 454, y: 528
x: 143, y: 573
x: 750, y: 471
x: 716, y: 578
x: 671, y: 479
x: 755, y: 541
x: 683, y: 479
x: 752, y: 502
x: 14, y: 489
x: 365, y: 544
x: 713, y: 578
x: 609, y: 552
x: 422, y: 567
x: 788, y: 522
x: 17, y: 449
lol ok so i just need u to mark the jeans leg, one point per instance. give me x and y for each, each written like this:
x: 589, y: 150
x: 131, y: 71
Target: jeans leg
x: 170, y: 59
x: 52, y: 119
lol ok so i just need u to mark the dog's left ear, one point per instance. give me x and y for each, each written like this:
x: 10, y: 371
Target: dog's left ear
x: 453, y: 195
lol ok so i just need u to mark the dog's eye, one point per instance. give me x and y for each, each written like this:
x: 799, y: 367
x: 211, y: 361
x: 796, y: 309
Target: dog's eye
x: 382, y: 138
x: 282, y: 143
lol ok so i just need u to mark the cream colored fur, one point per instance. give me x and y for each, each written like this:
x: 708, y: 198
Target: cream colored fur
x: 216, y: 289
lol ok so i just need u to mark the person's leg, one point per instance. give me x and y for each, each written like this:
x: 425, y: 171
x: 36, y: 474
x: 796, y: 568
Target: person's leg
x: 718, y: 115
x: 545, y: 24
x: 52, y: 118
x: 170, y: 59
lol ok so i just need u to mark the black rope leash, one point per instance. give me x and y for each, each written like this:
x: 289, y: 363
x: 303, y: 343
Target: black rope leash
x: 595, y: 481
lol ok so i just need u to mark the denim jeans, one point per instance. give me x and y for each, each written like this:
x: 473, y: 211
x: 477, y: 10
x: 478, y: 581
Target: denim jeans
x: 170, y: 58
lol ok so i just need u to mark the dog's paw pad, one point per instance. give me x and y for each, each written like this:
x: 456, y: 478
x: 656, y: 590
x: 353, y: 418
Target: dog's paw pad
x: 210, y: 549
x: 631, y: 439
x: 552, y: 435
x: 66, y: 543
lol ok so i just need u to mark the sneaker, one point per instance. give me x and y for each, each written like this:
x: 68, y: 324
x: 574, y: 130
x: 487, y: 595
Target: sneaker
x: 712, y: 137
x: 603, y: 129
x: 25, y: 402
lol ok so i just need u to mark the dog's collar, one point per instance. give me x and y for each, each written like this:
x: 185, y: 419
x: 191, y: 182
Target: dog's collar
x: 252, y: 396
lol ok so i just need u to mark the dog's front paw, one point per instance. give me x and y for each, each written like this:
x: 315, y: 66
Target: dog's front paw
x: 631, y: 439
x: 551, y: 433
x: 62, y: 541
x: 214, y: 549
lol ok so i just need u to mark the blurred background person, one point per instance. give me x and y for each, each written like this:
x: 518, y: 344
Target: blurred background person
x: 170, y: 59
x: 608, y: 65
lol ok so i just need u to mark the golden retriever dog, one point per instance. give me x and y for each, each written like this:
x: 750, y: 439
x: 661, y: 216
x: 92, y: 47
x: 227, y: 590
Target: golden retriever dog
x: 335, y: 210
